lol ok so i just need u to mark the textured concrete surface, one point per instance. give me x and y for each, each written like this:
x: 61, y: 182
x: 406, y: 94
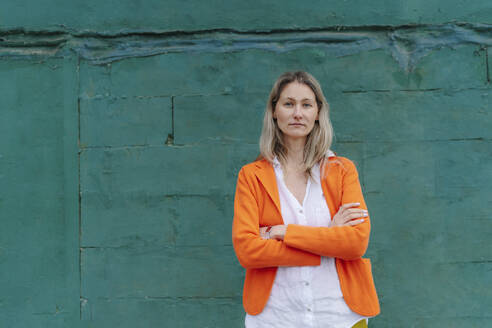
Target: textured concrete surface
x: 173, y: 15
x: 123, y: 127
x: 38, y: 195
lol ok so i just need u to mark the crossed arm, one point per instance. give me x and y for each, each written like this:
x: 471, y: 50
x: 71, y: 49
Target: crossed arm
x: 301, y: 245
x: 253, y: 251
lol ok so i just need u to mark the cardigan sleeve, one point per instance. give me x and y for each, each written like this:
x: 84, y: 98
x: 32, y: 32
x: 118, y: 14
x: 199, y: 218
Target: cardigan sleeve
x: 345, y: 242
x: 251, y: 250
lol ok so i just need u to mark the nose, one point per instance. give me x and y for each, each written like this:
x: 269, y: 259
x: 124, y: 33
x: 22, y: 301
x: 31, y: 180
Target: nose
x: 298, y: 111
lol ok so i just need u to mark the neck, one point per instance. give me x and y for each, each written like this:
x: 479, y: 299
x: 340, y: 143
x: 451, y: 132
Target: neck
x: 295, y: 151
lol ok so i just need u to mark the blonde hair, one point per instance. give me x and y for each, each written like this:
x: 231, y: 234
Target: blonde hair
x: 320, y: 138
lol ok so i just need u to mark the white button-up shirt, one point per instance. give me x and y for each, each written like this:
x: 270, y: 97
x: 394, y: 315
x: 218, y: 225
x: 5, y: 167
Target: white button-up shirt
x: 305, y: 296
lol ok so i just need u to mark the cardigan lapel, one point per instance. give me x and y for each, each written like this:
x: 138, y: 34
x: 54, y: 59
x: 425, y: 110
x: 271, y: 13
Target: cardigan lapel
x: 330, y: 180
x: 266, y: 175
x: 329, y: 193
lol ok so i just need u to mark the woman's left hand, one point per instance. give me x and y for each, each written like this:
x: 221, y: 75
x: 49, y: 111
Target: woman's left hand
x: 276, y: 232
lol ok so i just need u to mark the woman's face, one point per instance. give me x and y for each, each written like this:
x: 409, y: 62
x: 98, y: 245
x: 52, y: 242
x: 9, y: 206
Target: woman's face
x: 296, y: 110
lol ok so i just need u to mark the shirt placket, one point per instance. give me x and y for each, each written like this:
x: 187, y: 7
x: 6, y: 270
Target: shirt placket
x: 306, y: 271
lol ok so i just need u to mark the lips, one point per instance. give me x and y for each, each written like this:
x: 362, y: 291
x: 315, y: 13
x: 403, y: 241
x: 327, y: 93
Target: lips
x: 296, y: 124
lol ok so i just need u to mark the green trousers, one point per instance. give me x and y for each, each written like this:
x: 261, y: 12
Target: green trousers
x: 360, y: 324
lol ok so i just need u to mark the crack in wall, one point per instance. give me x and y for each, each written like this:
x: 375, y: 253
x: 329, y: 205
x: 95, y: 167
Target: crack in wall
x: 79, y: 188
x: 222, y: 142
x: 487, y: 69
x: 166, y: 298
x: 407, y: 43
x: 170, y: 136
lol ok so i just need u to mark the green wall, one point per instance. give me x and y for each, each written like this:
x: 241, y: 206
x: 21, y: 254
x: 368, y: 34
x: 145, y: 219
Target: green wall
x: 123, y: 126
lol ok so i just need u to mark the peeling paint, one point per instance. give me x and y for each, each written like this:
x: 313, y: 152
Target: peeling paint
x: 407, y: 44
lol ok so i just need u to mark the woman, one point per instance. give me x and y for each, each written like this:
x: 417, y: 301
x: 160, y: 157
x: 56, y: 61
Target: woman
x: 301, y: 224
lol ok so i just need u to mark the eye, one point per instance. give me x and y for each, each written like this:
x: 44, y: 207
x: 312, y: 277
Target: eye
x: 288, y: 103
x: 308, y: 105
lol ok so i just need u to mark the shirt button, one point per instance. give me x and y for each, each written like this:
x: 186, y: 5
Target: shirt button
x: 309, y: 309
x: 306, y: 283
x: 300, y: 211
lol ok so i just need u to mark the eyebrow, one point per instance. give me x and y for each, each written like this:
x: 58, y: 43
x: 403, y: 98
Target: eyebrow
x: 301, y: 100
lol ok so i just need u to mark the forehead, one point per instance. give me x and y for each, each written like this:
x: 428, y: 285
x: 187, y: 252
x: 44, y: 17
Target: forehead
x: 298, y: 91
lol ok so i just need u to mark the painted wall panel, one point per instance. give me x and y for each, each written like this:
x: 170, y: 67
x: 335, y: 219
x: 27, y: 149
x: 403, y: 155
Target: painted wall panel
x: 38, y: 195
x: 123, y: 127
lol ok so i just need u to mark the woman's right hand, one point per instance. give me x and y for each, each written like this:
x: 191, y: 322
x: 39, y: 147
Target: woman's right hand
x: 346, y: 215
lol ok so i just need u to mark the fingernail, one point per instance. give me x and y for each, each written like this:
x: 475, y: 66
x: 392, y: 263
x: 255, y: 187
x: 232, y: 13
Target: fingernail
x: 362, y: 220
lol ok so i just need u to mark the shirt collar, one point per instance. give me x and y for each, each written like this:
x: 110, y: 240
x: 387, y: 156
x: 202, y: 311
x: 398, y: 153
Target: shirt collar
x: 276, y: 162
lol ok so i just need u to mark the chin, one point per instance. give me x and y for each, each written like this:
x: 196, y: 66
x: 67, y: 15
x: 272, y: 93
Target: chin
x: 296, y: 135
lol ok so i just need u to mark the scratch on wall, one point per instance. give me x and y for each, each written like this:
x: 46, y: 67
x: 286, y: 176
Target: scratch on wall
x: 407, y: 44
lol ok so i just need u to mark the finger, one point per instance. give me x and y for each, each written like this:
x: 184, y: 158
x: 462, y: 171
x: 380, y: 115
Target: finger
x: 355, y: 215
x: 360, y: 211
x: 356, y: 210
x: 354, y: 222
x: 346, y: 206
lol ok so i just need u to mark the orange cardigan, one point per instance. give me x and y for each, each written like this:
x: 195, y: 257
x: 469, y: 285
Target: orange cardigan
x: 257, y: 204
